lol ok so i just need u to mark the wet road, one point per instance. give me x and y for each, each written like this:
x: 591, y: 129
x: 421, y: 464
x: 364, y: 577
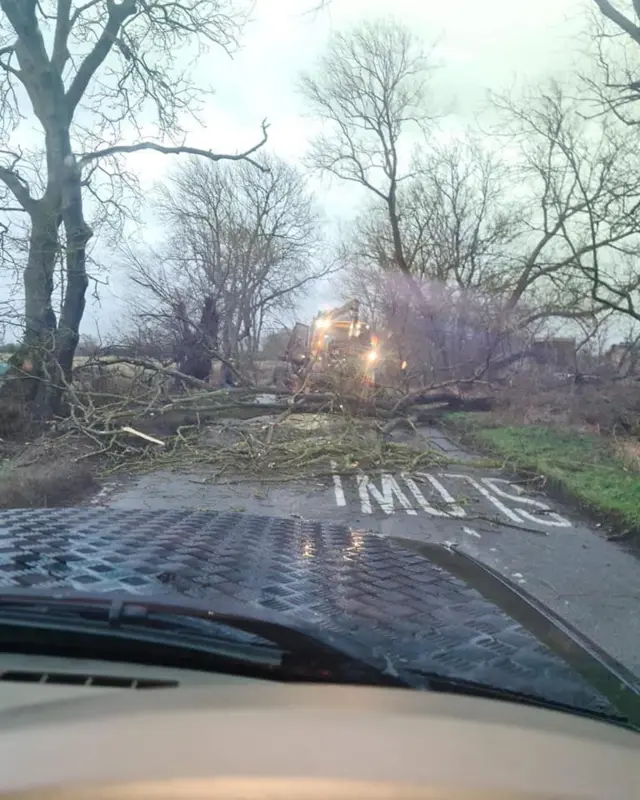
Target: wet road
x: 535, y: 542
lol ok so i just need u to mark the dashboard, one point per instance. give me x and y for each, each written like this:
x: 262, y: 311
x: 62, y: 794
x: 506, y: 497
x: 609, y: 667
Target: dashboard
x: 65, y: 732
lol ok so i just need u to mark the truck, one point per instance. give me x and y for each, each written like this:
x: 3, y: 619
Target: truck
x: 337, y: 345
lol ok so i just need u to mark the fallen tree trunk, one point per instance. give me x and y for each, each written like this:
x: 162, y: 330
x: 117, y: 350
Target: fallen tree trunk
x: 443, y: 393
x: 174, y: 416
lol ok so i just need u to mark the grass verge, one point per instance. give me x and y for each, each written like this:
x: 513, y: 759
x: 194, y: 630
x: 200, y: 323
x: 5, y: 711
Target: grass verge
x: 583, y: 468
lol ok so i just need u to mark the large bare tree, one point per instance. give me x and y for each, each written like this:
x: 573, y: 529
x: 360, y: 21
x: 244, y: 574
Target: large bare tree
x: 247, y: 242
x: 454, y: 220
x: 370, y: 92
x: 86, y: 72
x: 458, y: 228
x: 581, y: 250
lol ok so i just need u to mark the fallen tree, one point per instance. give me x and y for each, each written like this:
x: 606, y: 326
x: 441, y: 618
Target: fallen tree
x: 248, y: 430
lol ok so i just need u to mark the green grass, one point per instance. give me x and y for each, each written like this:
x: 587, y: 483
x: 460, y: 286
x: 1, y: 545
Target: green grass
x: 582, y: 467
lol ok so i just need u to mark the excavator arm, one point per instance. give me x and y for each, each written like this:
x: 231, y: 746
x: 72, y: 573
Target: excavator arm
x: 352, y: 308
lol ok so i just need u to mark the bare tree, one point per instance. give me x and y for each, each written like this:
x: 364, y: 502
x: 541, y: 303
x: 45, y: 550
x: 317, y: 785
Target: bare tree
x: 369, y: 90
x: 246, y: 242
x: 87, y: 71
x: 583, y: 240
x: 455, y: 222
x: 503, y: 251
x: 460, y: 224
x: 458, y: 229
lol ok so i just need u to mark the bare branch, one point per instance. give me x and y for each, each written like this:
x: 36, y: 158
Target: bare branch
x: 612, y: 13
x: 15, y: 183
x: 60, y: 53
x: 179, y: 150
x: 118, y: 13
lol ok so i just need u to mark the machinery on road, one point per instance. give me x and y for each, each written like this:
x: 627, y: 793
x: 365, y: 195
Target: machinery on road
x: 337, y: 345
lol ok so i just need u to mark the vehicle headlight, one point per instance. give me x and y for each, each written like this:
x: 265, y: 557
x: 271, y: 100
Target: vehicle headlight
x: 372, y: 356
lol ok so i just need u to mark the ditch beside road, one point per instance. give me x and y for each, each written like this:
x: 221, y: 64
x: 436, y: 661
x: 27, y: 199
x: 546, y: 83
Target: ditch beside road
x: 559, y: 556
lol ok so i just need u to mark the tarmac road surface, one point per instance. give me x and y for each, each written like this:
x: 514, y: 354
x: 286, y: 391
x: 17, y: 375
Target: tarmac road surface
x: 549, y: 550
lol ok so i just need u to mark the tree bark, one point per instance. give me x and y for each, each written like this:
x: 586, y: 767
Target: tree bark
x: 40, y: 319
x: 78, y: 234
x: 51, y: 343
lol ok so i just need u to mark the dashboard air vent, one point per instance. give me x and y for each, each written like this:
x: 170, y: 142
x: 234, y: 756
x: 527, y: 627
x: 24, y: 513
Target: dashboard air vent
x: 80, y: 679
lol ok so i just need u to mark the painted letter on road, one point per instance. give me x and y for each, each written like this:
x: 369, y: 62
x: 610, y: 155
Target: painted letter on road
x: 548, y: 517
x: 390, y: 489
x: 453, y: 509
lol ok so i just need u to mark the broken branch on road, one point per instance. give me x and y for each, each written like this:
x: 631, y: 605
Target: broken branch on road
x: 237, y: 432
x: 132, y: 414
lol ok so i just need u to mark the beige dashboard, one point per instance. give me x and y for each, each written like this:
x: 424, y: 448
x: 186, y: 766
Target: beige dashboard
x: 215, y: 736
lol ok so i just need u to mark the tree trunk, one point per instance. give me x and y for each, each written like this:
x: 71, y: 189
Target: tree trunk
x: 396, y: 234
x: 78, y: 234
x: 50, y: 346
x: 40, y: 319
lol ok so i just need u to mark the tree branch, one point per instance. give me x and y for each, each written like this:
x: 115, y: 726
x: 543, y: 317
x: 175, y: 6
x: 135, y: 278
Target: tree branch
x: 5, y: 65
x: 180, y: 150
x: 118, y: 13
x: 81, y: 9
x: 60, y: 52
x: 17, y: 186
x: 619, y: 18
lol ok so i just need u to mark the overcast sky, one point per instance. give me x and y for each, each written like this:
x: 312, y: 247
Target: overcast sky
x: 482, y: 44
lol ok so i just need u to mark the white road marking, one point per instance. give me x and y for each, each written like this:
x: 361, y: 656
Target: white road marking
x: 420, y: 498
x: 486, y: 494
x: 390, y: 488
x: 454, y: 509
x: 337, y: 486
x: 489, y: 487
x: 471, y: 532
x: 519, y: 497
x: 550, y: 517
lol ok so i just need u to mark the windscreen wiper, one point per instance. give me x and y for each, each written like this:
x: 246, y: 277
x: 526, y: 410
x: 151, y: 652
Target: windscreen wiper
x: 226, y: 630
x: 436, y: 682
x: 204, y: 635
